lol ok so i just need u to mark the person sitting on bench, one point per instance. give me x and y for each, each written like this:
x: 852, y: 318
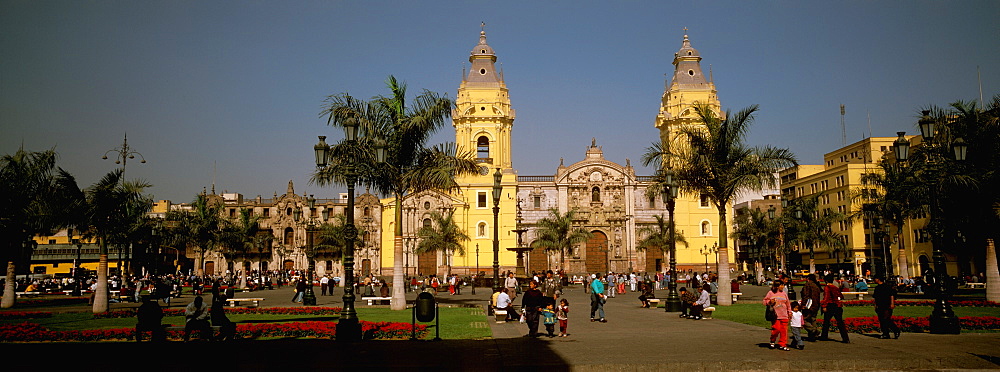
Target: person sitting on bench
x: 687, y: 300
x: 227, y: 330
x: 504, y: 303
x: 197, y: 315
x: 150, y: 315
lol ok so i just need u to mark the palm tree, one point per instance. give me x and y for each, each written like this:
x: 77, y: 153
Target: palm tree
x: 657, y: 236
x: 331, y: 241
x: 37, y: 197
x: 410, y: 166
x: 200, y: 228
x: 812, y: 228
x: 115, y: 207
x: 718, y: 163
x: 556, y: 234
x: 243, y: 237
x: 886, y: 195
x: 443, y: 235
x: 752, y: 226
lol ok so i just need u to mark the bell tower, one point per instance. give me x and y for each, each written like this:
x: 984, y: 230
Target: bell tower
x: 483, y: 117
x: 687, y: 88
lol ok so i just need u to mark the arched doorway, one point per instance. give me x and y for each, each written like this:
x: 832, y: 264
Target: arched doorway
x: 366, y: 267
x: 427, y: 263
x: 597, y: 252
x: 289, y: 264
x: 209, y: 267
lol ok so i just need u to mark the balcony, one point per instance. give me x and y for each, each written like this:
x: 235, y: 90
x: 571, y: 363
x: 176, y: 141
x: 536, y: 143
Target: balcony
x: 484, y: 160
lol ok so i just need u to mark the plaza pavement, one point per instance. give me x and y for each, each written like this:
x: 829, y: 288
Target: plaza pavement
x: 633, y: 339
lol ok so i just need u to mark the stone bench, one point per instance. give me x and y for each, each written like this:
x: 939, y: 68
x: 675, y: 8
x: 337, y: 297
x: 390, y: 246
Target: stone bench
x: 977, y: 285
x: 28, y: 294
x: 861, y: 295
x: 653, y: 302
x: 233, y: 302
x: 500, y: 315
x: 371, y: 300
x: 707, y: 312
x: 736, y: 296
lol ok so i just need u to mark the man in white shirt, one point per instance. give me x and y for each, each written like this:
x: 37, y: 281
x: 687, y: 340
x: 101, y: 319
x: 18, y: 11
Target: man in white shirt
x: 504, y: 302
x: 511, y: 285
x: 324, y: 283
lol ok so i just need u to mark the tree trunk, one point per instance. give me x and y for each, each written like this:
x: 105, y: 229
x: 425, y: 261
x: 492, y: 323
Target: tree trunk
x: 812, y: 259
x: 10, y: 287
x: 398, y: 301
x: 724, y: 297
x: 101, y: 293
x: 992, y: 274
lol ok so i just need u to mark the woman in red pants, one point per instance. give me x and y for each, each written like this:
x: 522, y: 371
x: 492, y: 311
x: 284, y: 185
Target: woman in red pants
x: 777, y: 299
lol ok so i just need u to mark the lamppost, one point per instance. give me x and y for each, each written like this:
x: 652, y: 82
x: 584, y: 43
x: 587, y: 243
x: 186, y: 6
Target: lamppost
x: 476, y: 274
x: 309, y: 298
x: 76, y: 262
x: 497, y: 191
x: 669, y: 194
x: 943, y: 319
x: 348, y: 328
x: 706, y: 251
x: 122, y: 155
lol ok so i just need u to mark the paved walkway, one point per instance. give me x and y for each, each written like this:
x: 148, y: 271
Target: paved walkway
x: 634, y: 339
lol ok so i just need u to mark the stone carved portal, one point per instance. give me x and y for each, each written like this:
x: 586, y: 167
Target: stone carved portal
x: 597, y: 252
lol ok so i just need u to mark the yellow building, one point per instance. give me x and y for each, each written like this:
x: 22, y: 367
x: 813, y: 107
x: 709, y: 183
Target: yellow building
x: 836, y: 183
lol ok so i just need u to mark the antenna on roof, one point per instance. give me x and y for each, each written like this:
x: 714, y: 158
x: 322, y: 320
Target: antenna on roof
x: 869, y: 122
x: 843, y: 129
x: 711, y: 79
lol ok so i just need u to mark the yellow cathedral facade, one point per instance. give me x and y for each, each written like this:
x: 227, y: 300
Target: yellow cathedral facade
x: 610, y: 199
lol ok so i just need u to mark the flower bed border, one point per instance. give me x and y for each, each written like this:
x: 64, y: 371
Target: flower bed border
x: 912, y: 324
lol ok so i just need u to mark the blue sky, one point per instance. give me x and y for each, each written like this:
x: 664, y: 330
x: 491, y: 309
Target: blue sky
x: 240, y: 84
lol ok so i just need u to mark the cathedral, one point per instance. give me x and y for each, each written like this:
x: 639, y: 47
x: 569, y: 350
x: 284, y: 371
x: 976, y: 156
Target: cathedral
x: 610, y: 200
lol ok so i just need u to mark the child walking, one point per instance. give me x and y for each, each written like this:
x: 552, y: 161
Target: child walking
x: 550, y: 320
x: 562, y: 313
x: 796, y: 324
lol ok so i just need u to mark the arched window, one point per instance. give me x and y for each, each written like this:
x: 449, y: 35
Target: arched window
x: 481, y: 230
x: 595, y: 194
x: 706, y: 228
x: 365, y: 238
x: 427, y: 222
x: 483, y: 147
x: 289, y: 236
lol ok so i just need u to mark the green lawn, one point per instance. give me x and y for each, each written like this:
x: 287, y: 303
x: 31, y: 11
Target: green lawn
x: 753, y: 314
x: 456, y: 323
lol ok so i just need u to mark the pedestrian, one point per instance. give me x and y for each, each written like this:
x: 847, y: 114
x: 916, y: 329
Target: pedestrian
x: 777, y: 301
x: 562, y: 314
x: 833, y: 309
x: 300, y: 290
x: 885, y: 302
x: 511, y: 284
x: 227, y: 329
x: 324, y: 283
x: 551, y: 286
x: 796, y: 325
x: 597, y: 299
x: 451, y: 284
x: 549, y: 319
x: 811, y: 293
x: 531, y: 304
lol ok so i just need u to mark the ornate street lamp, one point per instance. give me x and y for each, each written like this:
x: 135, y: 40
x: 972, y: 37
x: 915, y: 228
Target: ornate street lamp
x: 309, y: 298
x: 901, y: 147
x: 497, y: 191
x: 669, y: 194
x: 348, y: 328
x: 943, y: 319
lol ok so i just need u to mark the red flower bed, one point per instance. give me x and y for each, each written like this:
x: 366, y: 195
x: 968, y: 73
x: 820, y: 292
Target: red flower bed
x: 52, y: 301
x: 908, y: 324
x: 312, y: 329
x: 130, y: 313
x: 966, y: 303
x: 9, y: 315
